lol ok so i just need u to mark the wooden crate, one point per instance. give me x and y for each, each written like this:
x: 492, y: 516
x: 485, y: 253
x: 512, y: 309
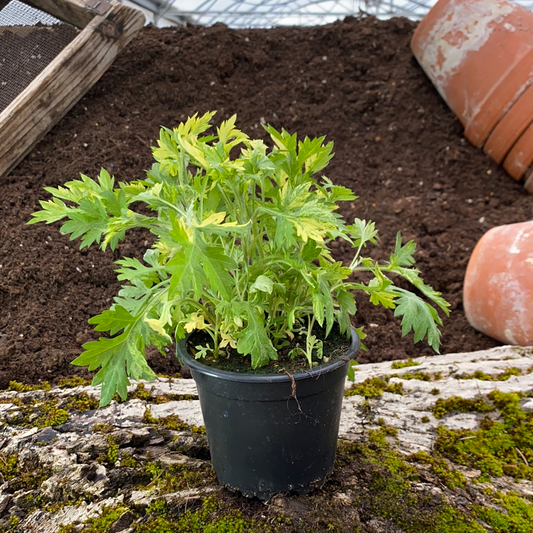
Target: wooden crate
x: 106, y: 29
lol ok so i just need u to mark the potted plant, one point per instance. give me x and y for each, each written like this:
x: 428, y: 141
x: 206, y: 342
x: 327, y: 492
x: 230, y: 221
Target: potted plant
x: 240, y: 273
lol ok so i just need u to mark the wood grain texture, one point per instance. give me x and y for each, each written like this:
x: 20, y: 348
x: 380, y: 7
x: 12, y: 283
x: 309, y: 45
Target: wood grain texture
x: 63, y: 82
x: 74, y: 12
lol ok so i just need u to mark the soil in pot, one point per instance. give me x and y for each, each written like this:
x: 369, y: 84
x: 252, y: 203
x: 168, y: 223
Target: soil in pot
x: 397, y: 145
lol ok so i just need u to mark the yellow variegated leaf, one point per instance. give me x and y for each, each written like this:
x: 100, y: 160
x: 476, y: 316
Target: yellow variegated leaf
x: 195, y: 152
x: 157, y: 326
x: 309, y: 229
x: 195, y: 321
x: 227, y: 340
x: 215, y: 218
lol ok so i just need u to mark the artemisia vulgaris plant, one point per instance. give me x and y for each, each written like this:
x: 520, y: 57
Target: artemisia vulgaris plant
x: 241, y: 251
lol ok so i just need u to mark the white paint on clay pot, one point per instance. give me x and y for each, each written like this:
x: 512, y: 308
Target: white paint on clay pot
x: 498, y: 287
x: 465, y: 28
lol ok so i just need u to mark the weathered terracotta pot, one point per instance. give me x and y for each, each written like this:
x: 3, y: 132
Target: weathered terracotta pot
x: 498, y: 287
x: 528, y: 183
x: 510, y: 128
x: 479, y: 55
x: 521, y: 155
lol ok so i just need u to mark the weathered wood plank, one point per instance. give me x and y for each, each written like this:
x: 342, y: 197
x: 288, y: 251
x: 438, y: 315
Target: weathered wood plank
x: 74, y: 12
x: 450, y: 375
x: 63, y: 82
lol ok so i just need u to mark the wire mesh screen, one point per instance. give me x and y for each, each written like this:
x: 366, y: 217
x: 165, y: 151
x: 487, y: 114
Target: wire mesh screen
x: 268, y: 13
x: 30, y: 39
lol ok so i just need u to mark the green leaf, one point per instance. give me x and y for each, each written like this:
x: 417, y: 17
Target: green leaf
x: 309, y: 217
x: 403, y: 255
x: 347, y: 308
x: 113, y: 320
x: 179, y: 232
x: 134, y: 271
x: 413, y: 276
x: 119, y: 356
x: 90, y: 229
x: 254, y: 341
x: 186, y: 271
x: 314, y: 155
x: 262, y: 283
x: 419, y: 316
x: 137, y: 367
x: 111, y: 355
x: 216, y: 266
x: 336, y: 193
x: 380, y: 289
x: 133, y: 297
x: 319, y: 303
x: 351, y: 370
x: 53, y: 210
x: 363, y: 232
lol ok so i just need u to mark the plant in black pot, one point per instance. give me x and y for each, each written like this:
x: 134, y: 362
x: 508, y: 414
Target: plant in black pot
x: 242, y: 276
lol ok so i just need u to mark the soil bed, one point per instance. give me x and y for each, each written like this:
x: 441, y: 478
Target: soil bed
x: 397, y: 146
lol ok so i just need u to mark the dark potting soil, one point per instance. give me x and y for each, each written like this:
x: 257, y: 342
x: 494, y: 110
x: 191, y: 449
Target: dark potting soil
x: 397, y: 146
x: 291, y: 359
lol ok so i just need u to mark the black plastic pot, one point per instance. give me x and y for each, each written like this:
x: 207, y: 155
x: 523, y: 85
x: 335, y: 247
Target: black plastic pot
x: 269, y: 433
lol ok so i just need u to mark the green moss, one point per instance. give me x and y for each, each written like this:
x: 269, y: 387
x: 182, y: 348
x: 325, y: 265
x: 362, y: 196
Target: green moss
x: 434, y: 391
x: 142, y: 393
x: 462, y: 405
x: 496, y: 448
x: 27, y: 477
x: 75, y: 381
x: 441, y: 469
x: 159, y: 507
x: 81, y: 402
x: 99, y: 524
x: 425, y: 419
x: 421, y: 376
x: 172, y: 422
x: 41, y: 414
x: 13, y: 401
x: 20, y: 387
x: 389, y: 491
x: 178, y: 477
x: 502, y: 376
x: 111, y: 456
x: 9, y: 466
x: 13, y: 522
x: 103, y: 427
x: 127, y: 461
x: 51, y: 415
x: 451, y: 520
x: 515, y: 516
x: 404, y: 364
x: 211, y: 517
x: 374, y: 388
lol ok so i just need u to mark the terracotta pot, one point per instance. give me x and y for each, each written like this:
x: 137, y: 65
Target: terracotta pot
x: 528, y: 184
x: 510, y: 128
x: 521, y: 155
x: 479, y: 55
x: 498, y: 287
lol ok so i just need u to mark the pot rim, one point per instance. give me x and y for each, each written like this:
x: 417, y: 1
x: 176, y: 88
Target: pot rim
x: 314, y: 373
